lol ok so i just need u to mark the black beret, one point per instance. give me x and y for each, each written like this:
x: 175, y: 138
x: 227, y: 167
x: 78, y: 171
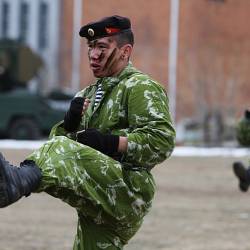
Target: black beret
x: 107, y: 26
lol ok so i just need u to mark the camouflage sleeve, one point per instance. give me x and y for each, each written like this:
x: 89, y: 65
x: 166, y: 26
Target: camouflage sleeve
x: 153, y: 136
x: 57, y: 130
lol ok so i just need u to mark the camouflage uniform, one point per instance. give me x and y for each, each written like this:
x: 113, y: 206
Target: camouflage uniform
x: 243, y: 138
x: 111, y: 197
x: 243, y: 131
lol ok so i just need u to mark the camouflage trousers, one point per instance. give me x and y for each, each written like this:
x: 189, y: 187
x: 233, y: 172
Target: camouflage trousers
x: 110, y: 200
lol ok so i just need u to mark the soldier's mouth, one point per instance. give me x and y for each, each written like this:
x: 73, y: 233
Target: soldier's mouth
x: 95, y: 66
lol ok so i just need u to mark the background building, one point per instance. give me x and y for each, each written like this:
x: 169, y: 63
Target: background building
x: 212, y: 51
x: 36, y: 24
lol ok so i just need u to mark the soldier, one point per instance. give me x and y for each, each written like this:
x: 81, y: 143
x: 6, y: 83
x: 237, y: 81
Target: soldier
x: 98, y: 160
x: 243, y: 137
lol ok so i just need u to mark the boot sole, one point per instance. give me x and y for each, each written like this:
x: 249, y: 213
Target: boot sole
x: 4, y: 198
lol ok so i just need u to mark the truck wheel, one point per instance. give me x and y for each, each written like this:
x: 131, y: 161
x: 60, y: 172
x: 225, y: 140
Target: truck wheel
x: 24, y: 129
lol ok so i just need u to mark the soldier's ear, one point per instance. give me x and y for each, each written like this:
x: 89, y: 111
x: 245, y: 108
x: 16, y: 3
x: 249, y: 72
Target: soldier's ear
x: 126, y: 51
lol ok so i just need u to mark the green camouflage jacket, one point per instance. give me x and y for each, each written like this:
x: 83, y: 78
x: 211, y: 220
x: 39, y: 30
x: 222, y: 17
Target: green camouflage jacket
x: 135, y: 106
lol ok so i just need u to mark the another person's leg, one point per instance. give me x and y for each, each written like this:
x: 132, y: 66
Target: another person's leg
x: 243, y: 175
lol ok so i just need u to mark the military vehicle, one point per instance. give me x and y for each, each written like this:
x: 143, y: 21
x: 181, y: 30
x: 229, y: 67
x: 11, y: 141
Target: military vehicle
x: 25, y: 114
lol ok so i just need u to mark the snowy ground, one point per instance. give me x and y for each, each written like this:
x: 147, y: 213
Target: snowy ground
x: 178, y: 151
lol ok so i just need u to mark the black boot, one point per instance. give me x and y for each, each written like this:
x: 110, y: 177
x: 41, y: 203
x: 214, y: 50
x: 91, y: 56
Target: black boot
x: 16, y: 182
x: 243, y: 175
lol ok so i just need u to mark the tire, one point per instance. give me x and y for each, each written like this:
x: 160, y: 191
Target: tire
x: 24, y: 129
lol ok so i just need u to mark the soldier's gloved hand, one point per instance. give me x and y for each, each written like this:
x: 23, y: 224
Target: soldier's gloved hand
x: 105, y: 143
x: 73, y: 116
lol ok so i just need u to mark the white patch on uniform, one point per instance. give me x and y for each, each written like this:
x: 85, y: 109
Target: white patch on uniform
x: 120, y: 218
x: 138, y: 205
x: 119, y: 93
x: 103, y: 245
x: 131, y: 82
x: 130, y: 194
x: 72, y: 145
x: 136, y: 189
x: 110, y: 104
x: 112, y: 196
x: 122, y: 113
x: 148, y: 95
x: 85, y: 175
x: 104, y: 169
x: 57, y: 151
x: 139, y: 118
x: 117, y: 241
x: 132, y: 145
x: 37, y: 155
x: 75, y: 166
x: 97, y: 187
x: 98, y: 220
x: 78, y: 155
x: 62, y: 162
x: 118, y: 166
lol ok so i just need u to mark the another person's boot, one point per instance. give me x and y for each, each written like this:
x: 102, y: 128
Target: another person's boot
x: 16, y: 182
x: 243, y: 175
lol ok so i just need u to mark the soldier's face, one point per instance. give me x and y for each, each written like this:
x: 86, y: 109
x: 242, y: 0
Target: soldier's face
x: 104, y: 57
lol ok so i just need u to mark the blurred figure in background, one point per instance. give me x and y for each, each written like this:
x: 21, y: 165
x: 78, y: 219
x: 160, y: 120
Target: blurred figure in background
x: 243, y: 137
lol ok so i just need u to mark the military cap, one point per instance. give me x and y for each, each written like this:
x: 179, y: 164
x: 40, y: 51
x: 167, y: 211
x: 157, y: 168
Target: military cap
x: 107, y: 26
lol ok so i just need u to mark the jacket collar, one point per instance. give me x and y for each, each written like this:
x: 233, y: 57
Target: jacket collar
x: 110, y: 82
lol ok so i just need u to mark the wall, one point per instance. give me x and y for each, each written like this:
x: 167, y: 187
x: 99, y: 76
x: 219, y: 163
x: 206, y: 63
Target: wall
x: 213, y: 50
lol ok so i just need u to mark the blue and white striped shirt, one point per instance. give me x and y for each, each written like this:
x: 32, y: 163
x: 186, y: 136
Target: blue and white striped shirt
x: 99, y: 94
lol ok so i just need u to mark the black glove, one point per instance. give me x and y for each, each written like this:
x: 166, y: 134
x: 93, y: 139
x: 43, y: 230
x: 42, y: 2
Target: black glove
x: 105, y: 143
x: 73, y: 116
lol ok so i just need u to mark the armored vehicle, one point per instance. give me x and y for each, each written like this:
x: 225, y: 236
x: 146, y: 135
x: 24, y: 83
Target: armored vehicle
x: 25, y: 114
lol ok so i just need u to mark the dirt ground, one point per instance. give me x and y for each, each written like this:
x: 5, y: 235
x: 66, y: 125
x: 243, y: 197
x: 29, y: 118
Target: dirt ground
x: 197, y: 207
